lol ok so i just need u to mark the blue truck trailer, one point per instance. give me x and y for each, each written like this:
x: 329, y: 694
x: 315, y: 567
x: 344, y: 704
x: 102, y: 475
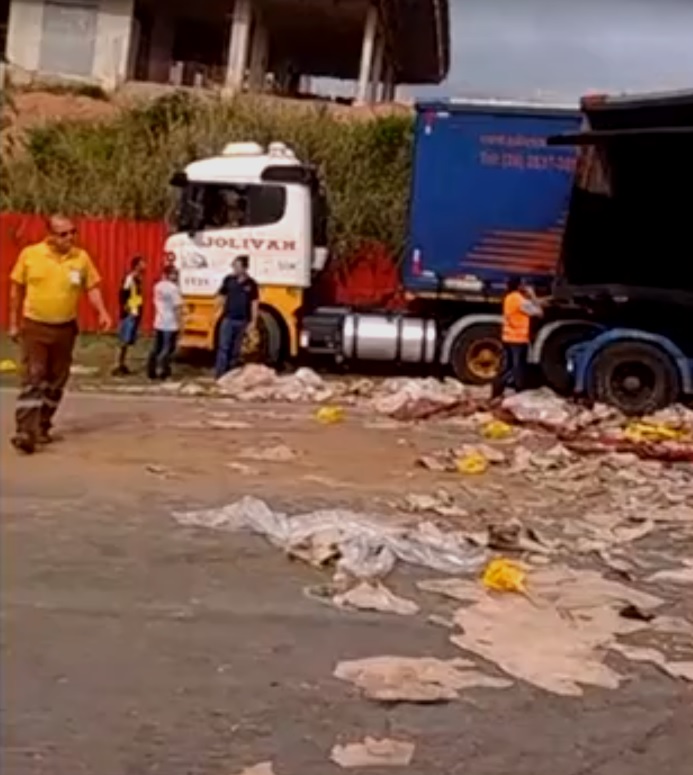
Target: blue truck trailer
x: 488, y: 201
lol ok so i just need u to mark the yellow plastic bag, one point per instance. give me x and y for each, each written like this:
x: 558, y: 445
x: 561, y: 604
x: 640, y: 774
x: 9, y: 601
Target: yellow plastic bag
x: 329, y: 415
x: 472, y: 463
x: 496, y: 430
x: 503, y: 575
x: 7, y: 366
x: 638, y: 432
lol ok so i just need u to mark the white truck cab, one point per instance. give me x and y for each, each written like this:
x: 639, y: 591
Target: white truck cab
x: 261, y: 203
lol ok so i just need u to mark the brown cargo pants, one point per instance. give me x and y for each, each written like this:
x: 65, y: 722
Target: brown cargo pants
x: 46, y: 360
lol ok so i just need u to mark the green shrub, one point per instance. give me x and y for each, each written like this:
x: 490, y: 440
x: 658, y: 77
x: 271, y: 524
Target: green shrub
x: 121, y: 168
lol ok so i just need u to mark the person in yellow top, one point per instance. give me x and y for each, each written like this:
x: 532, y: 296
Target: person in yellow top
x: 45, y: 288
x: 131, y: 303
x: 520, y: 305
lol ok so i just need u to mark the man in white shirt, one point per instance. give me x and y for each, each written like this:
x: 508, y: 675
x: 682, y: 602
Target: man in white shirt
x: 168, y: 304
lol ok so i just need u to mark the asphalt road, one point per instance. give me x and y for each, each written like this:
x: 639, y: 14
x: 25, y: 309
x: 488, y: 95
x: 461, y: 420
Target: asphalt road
x: 131, y: 645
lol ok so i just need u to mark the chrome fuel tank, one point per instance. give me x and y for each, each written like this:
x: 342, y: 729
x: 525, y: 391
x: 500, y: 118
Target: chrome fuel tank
x: 368, y: 337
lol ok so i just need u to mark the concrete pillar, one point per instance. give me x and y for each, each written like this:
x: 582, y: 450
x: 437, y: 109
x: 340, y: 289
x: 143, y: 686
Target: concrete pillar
x: 161, y: 49
x: 112, y: 42
x: 377, y: 70
x: 389, y: 83
x: 370, y: 32
x: 23, y: 46
x: 259, y: 56
x: 239, y: 45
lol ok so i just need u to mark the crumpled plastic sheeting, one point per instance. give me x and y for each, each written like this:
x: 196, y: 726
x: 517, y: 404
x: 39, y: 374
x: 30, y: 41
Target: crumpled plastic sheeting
x: 540, y: 407
x: 404, y: 399
x: 256, y: 382
x: 366, y: 548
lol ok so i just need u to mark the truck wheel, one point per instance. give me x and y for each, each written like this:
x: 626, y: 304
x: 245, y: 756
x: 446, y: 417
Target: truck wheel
x: 635, y: 377
x: 266, y: 345
x: 477, y: 354
x: 554, y: 355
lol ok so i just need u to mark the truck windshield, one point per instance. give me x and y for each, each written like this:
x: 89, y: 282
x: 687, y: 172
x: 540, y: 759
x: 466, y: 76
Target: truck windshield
x: 229, y: 206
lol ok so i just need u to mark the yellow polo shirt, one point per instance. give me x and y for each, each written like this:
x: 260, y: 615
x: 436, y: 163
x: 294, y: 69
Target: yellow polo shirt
x: 53, y: 282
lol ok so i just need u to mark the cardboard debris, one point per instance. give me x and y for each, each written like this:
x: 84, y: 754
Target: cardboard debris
x: 682, y: 670
x: 414, y: 679
x: 557, y: 639
x: 682, y: 575
x: 441, y: 503
x: 263, y: 768
x: 373, y: 753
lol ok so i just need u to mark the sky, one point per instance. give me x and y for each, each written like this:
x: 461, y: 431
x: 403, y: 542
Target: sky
x: 560, y: 49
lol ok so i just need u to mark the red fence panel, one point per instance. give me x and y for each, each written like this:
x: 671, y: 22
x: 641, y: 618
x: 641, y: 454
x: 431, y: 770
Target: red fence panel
x: 111, y: 243
x: 370, y: 279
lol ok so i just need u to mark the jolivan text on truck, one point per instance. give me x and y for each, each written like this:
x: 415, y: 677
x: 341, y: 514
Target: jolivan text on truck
x: 488, y: 200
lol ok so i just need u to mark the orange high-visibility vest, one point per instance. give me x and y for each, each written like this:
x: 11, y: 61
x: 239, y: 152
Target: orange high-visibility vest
x: 515, y: 321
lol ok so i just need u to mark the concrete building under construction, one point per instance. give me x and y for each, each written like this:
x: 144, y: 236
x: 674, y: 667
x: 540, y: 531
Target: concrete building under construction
x: 236, y: 44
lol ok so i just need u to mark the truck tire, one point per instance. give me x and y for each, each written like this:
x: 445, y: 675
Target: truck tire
x: 477, y: 354
x: 635, y: 377
x: 554, y: 364
x: 267, y: 346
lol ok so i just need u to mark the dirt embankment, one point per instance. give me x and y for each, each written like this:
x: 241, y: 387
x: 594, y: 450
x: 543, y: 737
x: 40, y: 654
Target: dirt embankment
x: 34, y: 108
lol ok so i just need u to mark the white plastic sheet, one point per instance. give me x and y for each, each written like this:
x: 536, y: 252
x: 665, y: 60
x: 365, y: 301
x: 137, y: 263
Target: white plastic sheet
x: 366, y: 548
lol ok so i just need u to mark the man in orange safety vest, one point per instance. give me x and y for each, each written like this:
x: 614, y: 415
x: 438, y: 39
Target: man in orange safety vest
x: 520, y: 305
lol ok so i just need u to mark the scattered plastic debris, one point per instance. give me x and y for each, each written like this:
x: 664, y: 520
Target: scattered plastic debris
x: 279, y: 453
x: 256, y: 382
x: 373, y: 753
x: 78, y: 370
x: 329, y: 415
x: 243, y: 469
x: 538, y: 407
x: 502, y: 575
x: 419, y: 399
x: 471, y: 463
x: 496, y: 430
x: 414, y: 679
x: 375, y: 597
x: 365, y: 547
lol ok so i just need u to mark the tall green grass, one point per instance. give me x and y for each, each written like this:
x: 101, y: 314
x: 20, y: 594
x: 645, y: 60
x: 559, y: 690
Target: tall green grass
x: 121, y: 167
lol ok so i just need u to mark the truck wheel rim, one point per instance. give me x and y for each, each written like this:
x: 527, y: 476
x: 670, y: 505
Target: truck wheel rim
x: 484, y: 358
x: 633, y: 379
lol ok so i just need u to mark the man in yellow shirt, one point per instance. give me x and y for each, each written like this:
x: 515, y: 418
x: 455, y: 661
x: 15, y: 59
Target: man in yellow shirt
x: 46, y: 284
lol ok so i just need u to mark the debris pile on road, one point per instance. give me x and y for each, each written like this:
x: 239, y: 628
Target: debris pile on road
x: 666, y: 435
x: 556, y: 635
x: 403, y: 398
x: 361, y: 546
x: 258, y: 383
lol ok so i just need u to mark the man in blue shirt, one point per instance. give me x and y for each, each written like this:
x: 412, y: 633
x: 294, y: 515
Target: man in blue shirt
x: 239, y: 300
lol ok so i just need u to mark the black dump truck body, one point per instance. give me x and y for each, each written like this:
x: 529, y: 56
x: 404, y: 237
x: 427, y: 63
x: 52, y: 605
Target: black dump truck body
x: 626, y: 262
